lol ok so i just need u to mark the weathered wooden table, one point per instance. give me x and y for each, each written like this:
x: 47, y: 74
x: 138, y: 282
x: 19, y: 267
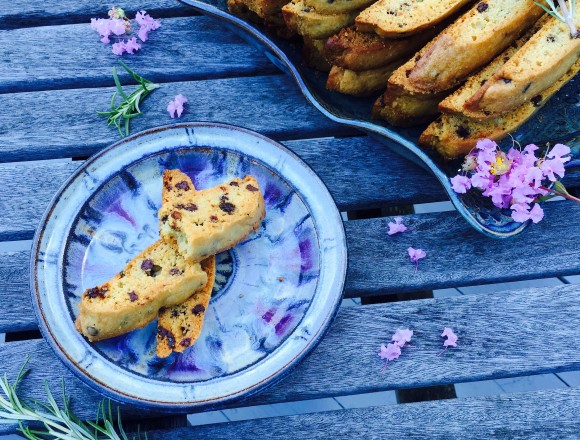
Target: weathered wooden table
x: 55, y: 75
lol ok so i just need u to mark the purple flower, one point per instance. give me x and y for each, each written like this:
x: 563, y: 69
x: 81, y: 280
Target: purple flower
x: 118, y: 48
x: 146, y: 25
x: 416, y: 255
x: 117, y: 26
x: 390, y: 352
x: 397, y: 226
x: 176, y: 106
x: 402, y: 336
x: 521, y: 212
x: 460, y: 184
x: 132, y: 46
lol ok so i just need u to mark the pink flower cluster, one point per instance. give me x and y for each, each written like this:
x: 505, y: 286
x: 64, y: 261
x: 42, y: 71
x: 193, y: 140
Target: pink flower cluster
x: 512, y: 180
x: 414, y: 254
x: 392, y: 351
x: 119, y: 25
x: 176, y: 106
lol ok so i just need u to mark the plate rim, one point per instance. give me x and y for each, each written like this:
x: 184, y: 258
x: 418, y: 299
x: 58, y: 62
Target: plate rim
x: 170, y: 407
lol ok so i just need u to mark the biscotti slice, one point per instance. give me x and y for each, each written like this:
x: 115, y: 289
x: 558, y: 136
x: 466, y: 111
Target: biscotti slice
x: 359, y: 51
x: 401, y: 18
x: 157, y: 277
x: 338, y: 6
x: 455, y: 103
x: 405, y: 109
x: 454, y: 135
x: 213, y: 220
x: 179, y: 326
x: 469, y: 43
x: 363, y: 83
x: 262, y: 8
x: 273, y: 23
x: 306, y: 21
x: 312, y: 54
x: 536, y: 66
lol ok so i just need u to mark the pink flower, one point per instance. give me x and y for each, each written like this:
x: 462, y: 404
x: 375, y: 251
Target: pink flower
x: 132, y: 46
x: 402, y: 336
x: 146, y: 25
x: 397, y: 226
x: 176, y: 106
x: 117, y: 26
x: 118, y: 48
x: 416, y: 255
x: 451, y: 340
x: 460, y: 184
x: 390, y: 352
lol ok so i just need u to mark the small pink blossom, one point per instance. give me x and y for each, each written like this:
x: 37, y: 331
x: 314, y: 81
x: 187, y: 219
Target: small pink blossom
x: 132, y: 46
x: 118, y: 48
x: 402, y: 336
x: 460, y: 184
x: 397, y: 226
x: 451, y: 340
x: 390, y: 352
x: 416, y: 255
x: 146, y: 25
x: 176, y: 106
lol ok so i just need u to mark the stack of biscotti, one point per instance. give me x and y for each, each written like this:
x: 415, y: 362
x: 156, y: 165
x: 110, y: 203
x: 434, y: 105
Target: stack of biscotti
x: 173, y: 279
x: 507, y: 92
x: 386, y: 34
x: 415, y: 90
x: 316, y: 20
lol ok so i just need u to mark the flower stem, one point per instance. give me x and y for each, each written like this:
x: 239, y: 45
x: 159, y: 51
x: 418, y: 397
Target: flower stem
x: 561, y: 194
x: 568, y: 17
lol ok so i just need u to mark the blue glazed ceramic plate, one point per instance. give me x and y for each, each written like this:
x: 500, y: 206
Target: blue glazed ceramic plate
x: 558, y: 121
x: 275, y: 293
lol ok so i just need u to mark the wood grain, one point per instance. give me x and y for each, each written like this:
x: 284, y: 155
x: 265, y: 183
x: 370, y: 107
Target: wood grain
x: 501, y: 335
x: 540, y: 415
x: 191, y: 48
x: 381, y: 178
x: 379, y: 264
x: 64, y: 123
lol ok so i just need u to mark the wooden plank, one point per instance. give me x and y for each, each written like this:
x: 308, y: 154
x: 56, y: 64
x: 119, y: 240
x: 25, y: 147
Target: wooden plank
x: 191, y: 48
x: 66, y: 123
x: 536, y: 415
x: 379, y: 178
x: 378, y: 264
x: 22, y: 13
x: 502, y: 336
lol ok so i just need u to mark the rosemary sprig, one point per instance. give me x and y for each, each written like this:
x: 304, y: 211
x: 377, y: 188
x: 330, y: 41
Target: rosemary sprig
x: 568, y: 10
x: 59, y: 423
x: 121, y: 115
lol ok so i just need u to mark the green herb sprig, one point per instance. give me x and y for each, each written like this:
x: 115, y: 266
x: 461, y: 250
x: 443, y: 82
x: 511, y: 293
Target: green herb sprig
x: 567, y: 14
x: 121, y: 115
x: 59, y: 423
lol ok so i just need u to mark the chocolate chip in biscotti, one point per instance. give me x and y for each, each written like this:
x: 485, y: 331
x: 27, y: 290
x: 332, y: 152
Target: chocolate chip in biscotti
x: 227, y: 207
x: 482, y: 7
x: 185, y: 342
x: 198, y: 309
x: 182, y: 185
x: 163, y: 333
x: 213, y: 219
x: 234, y: 183
x: 536, y: 100
x: 191, y: 207
x: 164, y: 218
x: 251, y: 188
x: 96, y: 292
x: 175, y: 271
x: 147, y: 266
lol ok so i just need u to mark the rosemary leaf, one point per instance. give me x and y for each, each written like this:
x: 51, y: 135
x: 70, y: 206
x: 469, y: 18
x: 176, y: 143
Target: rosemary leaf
x: 121, y: 114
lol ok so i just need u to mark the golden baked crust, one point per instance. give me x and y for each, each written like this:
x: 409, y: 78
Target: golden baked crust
x: 213, y: 220
x: 329, y: 7
x: 455, y: 135
x: 455, y: 103
x: 401, y: 18
x: 157, y: 277
x: 406, y: 109
x: 536, y: 66
x: 362, y: 83
x: 179, y: 326
x: 468, y: 44
x: 306, y: 21
x: 359, y: 51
